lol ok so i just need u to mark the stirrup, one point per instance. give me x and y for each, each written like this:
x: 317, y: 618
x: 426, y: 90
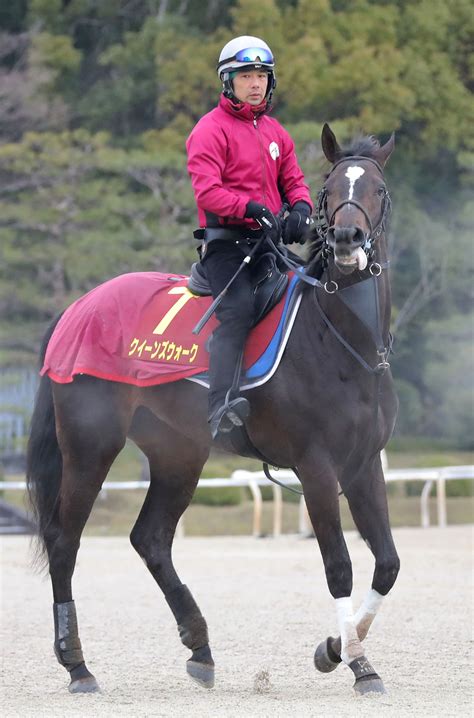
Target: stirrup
x: 231, y: 414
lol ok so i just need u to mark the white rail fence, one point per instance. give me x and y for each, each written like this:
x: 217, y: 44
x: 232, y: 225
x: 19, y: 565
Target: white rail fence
x: 255, y: 480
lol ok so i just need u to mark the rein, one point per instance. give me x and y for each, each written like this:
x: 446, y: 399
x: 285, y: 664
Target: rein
x: 382, y: 350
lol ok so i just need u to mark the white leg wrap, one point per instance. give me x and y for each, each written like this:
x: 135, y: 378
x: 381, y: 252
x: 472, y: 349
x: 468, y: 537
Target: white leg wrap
x: 350, y: 645
x: 367, y: 612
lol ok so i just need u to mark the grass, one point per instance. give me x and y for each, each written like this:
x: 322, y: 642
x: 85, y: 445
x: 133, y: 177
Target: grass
x: 115, y: 513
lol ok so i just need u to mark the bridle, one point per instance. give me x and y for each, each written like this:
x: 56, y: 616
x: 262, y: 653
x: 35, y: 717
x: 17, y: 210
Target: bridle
x: 324, y: 223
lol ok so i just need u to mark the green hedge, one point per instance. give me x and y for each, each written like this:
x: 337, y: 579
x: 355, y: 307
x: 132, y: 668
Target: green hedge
x: 231, y: 496
x: 454, y: 487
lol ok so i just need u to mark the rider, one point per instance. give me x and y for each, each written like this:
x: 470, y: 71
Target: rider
x: 243, y: 166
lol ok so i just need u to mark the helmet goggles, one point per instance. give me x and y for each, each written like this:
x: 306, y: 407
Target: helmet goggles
x: 254, y: 55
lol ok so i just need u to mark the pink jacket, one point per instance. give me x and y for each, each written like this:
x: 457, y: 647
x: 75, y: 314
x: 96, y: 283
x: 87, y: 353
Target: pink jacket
x: 234, y: 157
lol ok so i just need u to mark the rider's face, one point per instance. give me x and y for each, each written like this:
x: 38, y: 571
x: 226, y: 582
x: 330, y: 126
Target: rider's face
x: 251, y: 86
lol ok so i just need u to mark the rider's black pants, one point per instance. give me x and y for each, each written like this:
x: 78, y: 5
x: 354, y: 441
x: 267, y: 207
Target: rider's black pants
x: 235, y: 313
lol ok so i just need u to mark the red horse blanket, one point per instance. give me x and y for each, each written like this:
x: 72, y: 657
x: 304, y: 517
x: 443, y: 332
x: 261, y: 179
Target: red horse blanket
x: 137, y: 328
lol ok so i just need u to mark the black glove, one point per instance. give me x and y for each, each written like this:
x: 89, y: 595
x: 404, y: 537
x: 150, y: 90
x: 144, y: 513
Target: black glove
x: 265, y: 218
x: 297, y: 223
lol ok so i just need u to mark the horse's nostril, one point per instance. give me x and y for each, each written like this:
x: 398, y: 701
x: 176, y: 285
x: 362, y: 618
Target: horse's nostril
x: 359, y: 237
x: 348, y: 235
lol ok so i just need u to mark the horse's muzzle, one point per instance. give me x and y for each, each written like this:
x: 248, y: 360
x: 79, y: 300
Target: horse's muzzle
x: 346, y: 243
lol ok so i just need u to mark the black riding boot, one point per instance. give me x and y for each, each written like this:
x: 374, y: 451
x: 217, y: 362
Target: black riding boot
x: 235, y: 314
x: 225, y: 410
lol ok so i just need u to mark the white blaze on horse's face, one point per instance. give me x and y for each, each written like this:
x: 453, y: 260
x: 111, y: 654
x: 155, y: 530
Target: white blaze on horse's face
x: 353, y: 173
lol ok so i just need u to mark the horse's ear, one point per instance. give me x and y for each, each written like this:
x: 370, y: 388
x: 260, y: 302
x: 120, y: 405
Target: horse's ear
x: 331, y: 148
x: 384, y: 152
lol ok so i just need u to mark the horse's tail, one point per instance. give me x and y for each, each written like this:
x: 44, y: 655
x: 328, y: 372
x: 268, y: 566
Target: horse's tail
x: 43, y: 458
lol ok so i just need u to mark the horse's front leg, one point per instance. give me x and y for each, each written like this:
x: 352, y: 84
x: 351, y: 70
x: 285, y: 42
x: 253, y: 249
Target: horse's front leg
x: 321, y: 495
x: 328, y: 653
x: 368, y: 503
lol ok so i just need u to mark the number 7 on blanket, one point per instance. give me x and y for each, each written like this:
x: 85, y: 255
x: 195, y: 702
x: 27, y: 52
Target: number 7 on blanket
x: 177, y: 306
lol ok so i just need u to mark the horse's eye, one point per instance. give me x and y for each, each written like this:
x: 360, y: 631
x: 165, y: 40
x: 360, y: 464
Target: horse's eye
x: 381, y: 191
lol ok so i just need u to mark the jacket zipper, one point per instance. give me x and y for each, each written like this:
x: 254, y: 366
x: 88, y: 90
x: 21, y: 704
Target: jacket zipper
x: 264, y: 174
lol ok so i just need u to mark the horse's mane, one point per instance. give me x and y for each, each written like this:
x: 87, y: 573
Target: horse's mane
x: 365, y: 146
x: 361, y: 146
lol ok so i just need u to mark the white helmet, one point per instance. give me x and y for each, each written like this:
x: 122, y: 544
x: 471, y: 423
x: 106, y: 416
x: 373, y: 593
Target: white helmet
x: 245, y: 51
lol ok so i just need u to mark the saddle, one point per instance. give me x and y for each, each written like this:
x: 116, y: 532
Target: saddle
x: 268, y: 281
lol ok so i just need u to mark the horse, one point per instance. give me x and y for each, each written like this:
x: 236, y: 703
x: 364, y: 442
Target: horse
x: 328, y: 411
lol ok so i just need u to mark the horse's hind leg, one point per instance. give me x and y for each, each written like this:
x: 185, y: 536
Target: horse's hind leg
x: 175, y: 466
x: 368, y: 503
x: 91, y: 432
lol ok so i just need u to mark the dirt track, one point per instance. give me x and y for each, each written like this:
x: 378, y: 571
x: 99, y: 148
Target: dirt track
x: 267, y: 607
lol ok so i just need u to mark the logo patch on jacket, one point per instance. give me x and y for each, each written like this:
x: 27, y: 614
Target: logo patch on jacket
x: 274, y: 150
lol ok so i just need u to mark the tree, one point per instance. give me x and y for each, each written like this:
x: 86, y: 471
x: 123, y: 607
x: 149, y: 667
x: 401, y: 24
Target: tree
x: 97, y: 101
x: 70, y: 197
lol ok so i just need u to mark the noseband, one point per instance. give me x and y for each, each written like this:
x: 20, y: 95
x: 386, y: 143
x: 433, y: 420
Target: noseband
x: 324, y: 223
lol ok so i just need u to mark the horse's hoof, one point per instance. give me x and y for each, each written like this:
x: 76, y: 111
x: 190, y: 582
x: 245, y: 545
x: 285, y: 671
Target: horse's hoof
x: 201, y: 673
x: 325, y: 660
x: 367, y: 680
x: 371, y: 684
x: 84, y: 685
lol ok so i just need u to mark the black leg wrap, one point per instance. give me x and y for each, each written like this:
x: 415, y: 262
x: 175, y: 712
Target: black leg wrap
x: 67, y: 645
x: 192, y: 626
x: 362, y: 669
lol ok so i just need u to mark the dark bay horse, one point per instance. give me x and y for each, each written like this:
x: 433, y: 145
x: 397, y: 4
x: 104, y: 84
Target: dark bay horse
x: 328, y: 411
